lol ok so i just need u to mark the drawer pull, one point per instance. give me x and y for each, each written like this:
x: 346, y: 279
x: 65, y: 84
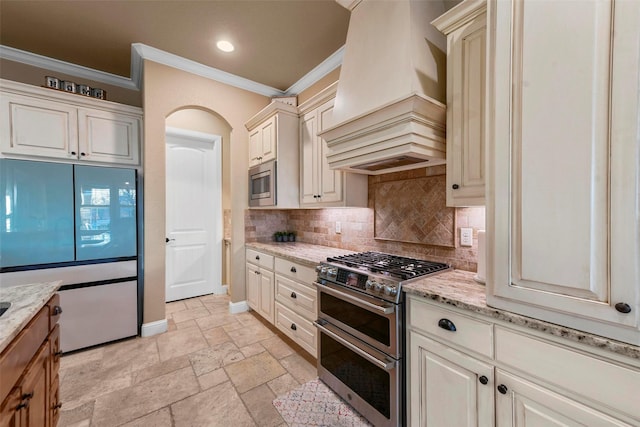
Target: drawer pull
x: 57, y: 310
x: 57, y: 354
x: 27, y: 396
x: 293, y: 326
x: 257, y: 272
x: 293, y: 295
x: 57, y: 405
x: 483, y: 380
x: 22, y: 405
x: 293, y: 269
x: 503, y: 389
x: 623, y: 307
x: 447, y: 325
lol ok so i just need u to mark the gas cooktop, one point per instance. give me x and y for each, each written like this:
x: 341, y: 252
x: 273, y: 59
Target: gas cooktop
x: 399, y: 267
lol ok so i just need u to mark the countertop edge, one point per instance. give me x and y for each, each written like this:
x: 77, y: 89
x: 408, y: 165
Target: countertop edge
x: 26, y: 301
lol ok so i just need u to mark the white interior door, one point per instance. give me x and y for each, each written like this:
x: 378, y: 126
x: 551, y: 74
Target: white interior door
x: 194, y: 214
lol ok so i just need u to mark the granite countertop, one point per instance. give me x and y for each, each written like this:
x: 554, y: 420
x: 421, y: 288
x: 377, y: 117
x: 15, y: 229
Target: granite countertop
x: 458, y: 289
x: 302, y: 253
x: 26, y: 301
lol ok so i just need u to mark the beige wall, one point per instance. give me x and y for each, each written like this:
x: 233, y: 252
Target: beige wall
x: 22, y: 73
x: 167, y: 90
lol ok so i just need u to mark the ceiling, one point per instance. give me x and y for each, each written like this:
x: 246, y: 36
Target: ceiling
x: 277, y: 41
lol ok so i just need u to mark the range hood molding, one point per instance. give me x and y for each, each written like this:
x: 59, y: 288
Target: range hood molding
x: 411, y: 127
x: 388, y: 108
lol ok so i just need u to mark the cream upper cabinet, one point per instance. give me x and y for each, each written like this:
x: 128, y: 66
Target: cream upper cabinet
x: 273, y: 132
x: 563, y: 235
x: 465, y: 28
x: 39, y: 122
x: 321, y: 186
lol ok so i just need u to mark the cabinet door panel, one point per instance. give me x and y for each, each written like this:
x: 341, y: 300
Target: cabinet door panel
x: 255, y: 147
x: 252, y: 286
x: 330, y: 180
x: 108, y: 137
x: 308, y: 155
x: 564, y: 136
x: 269, y: 139
x: 528, y: 405
x: 266, y: 294
x: 444, y: 386
x: 55, y: 135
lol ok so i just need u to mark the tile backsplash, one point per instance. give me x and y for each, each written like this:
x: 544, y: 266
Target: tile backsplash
x: 318, y: 226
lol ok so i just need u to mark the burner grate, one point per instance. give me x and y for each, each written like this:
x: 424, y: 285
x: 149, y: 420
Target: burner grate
x: 396, y: 266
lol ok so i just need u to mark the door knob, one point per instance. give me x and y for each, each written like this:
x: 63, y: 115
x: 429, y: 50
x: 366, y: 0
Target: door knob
x: 168, y: 240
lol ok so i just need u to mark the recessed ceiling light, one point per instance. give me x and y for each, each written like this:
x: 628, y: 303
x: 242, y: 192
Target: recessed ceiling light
x: 225, y: 46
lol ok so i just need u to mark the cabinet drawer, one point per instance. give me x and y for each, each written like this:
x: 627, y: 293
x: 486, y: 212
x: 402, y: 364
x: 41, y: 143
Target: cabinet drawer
x: 296, y: 271
x: 469, y: 333
x: 259, y: 258
x: 18, y: 354
x: 601, y: 381
x: 299, y: 329
x: 298, y: 297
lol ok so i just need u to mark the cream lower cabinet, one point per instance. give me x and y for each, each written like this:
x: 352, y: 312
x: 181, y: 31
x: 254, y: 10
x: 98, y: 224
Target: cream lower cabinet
x: 486, y: 373
x: 296, y: 303
x: 465, y: 28
x: 321, y: 186
x: 260, y: 283
x: 563, y: 236
x: 37, y: 122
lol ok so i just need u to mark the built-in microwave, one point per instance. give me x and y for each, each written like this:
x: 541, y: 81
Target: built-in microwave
x: 262, y: 184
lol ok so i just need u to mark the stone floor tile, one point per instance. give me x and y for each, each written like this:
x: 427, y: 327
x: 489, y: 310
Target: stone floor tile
x: 252, y: 349
x: 250, y: 333
x: 283, y: 384
x: 86, y: 382
x: 161, y: 368
x: 133, y: 354
x: 180, y: 342
x: 212, y: 379
x: 175, y: 306
x: 216, y: 336
x: 80, y: 358
x: 161, y: 418
x: 230, y: 327
x: 215, y: 320
x: 193, y: 302
x: 259, y: 402
x: 212, y: 358
x: 217, y: 406
x: 254, y: 371
x: 171, y: 325
x: 144, y: 398
x: 191, y: 313
x: 191, y: 323
x: 71, y: 417
x: 83, y: 423
x: 300, y: 368
x: 278, y: 347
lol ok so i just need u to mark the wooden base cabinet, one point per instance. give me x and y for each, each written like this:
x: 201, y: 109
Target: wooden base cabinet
x: 528, y: 379
x: 33, y: 400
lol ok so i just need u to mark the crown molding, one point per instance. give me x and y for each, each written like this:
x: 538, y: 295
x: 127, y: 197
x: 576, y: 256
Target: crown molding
x: 141, y: 52
x: 324, y: 68
x: 59, y: 66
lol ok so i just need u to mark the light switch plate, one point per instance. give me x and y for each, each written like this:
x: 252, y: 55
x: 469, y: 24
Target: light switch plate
x: 466, y: 236
x: 338, y: 227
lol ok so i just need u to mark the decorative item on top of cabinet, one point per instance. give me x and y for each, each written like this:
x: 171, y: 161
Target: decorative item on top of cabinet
x: 562, y: 155
x: 68, y: 127
x: 321, y: 186
x: 465, y: 28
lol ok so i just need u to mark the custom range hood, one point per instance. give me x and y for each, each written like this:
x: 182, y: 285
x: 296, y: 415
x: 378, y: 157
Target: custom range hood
x: 389, y: 113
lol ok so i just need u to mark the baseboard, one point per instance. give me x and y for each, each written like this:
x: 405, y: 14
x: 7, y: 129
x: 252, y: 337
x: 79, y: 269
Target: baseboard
x: 238, y: 307
x: 154, y: 328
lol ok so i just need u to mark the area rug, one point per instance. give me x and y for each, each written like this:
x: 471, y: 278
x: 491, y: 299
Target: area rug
x: 314, y: 404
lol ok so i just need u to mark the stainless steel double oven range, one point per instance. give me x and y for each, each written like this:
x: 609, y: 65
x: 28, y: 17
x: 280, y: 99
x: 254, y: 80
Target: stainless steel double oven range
x: 361, y: 330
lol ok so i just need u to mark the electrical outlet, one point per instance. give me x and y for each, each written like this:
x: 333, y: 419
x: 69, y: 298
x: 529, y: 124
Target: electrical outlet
x: 466, y: 237
x: 338, y: 227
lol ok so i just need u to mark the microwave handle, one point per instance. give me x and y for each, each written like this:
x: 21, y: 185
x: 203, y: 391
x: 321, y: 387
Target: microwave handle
x: 357, y: 301
x: 387, y: 366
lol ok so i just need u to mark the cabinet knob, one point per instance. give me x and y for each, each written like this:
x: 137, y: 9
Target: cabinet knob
x: 27, y: 396
x: 257, y: 272
x: 57, y: 310
x: 623, y: 307
x: 447, y: 324
x: 58, y: 353
x: 22, y: 405
x: 257, y: 257
x: 293, y: 295
x: 73, y: 153
x: 83, y: 154
x: 455, y: 186
x: 293, y: 269
x: 293, y: 326
x: 503, y: 389
x: 483, y: 380
x: 57, y: 405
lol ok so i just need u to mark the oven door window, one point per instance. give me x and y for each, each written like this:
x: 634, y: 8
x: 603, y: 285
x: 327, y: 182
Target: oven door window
x: 368, y: 323
x: 369, y: 381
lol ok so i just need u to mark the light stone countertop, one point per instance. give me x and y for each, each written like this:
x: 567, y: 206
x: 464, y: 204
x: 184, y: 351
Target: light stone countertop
x: 302, y: 253
x: 26, y: 301
x: 458, y: 289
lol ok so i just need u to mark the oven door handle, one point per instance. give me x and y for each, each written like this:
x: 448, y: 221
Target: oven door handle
x: 383, y: 309
x: 388, y: 366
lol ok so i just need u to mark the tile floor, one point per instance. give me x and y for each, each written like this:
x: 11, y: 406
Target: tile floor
x: 211, y: 368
